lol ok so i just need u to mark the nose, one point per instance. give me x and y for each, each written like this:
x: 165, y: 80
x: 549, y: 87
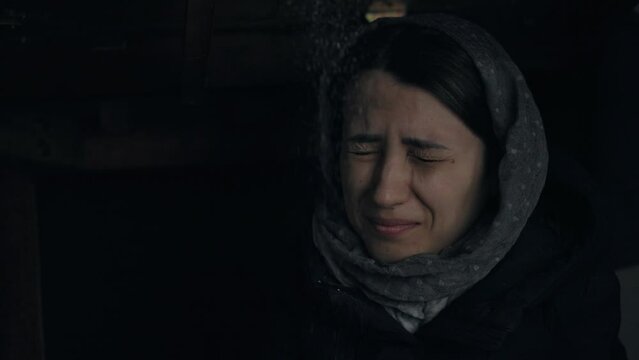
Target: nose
x: 392, y: 181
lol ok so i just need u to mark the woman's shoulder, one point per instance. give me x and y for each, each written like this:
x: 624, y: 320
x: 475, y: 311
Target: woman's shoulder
x: 546, y: 299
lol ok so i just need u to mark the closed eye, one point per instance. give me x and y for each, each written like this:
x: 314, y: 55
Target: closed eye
x: 365, y: 148
x: 425, y: 158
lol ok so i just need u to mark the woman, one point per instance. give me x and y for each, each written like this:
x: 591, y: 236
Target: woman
x: 433, y: 239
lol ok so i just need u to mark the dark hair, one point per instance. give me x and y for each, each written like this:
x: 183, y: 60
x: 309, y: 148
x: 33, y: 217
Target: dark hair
x: 422, y: 57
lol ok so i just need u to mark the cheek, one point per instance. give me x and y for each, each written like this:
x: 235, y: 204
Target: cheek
x: 355, y: 177
x: 431, y: 186
x: 474, y: 176
x: 447, y: 189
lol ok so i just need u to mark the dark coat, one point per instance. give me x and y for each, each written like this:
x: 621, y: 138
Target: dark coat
x: 552, y: 297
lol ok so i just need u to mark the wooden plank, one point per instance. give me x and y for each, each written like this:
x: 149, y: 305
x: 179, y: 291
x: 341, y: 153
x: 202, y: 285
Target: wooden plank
x: 20, y: 293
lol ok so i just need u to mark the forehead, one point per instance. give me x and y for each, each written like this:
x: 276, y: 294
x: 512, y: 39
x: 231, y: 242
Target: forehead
x: 376, y: 101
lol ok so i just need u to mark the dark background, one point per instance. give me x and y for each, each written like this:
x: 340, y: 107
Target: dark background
x: 158, y: 155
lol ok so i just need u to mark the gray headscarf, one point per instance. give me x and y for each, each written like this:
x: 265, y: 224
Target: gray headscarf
x: 417, y: 288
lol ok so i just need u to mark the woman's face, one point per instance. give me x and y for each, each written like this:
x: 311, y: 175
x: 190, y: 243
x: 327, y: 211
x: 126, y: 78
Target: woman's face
x: 412, y: 173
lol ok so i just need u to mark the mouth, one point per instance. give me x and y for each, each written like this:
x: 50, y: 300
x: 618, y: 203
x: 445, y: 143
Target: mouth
x: 392, y: 227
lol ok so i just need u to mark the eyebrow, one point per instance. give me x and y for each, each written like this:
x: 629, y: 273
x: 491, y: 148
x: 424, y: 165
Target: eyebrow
x: 410, y: 141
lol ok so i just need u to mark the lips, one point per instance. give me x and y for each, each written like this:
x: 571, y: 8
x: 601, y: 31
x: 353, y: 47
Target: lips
x: 392, y: 227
